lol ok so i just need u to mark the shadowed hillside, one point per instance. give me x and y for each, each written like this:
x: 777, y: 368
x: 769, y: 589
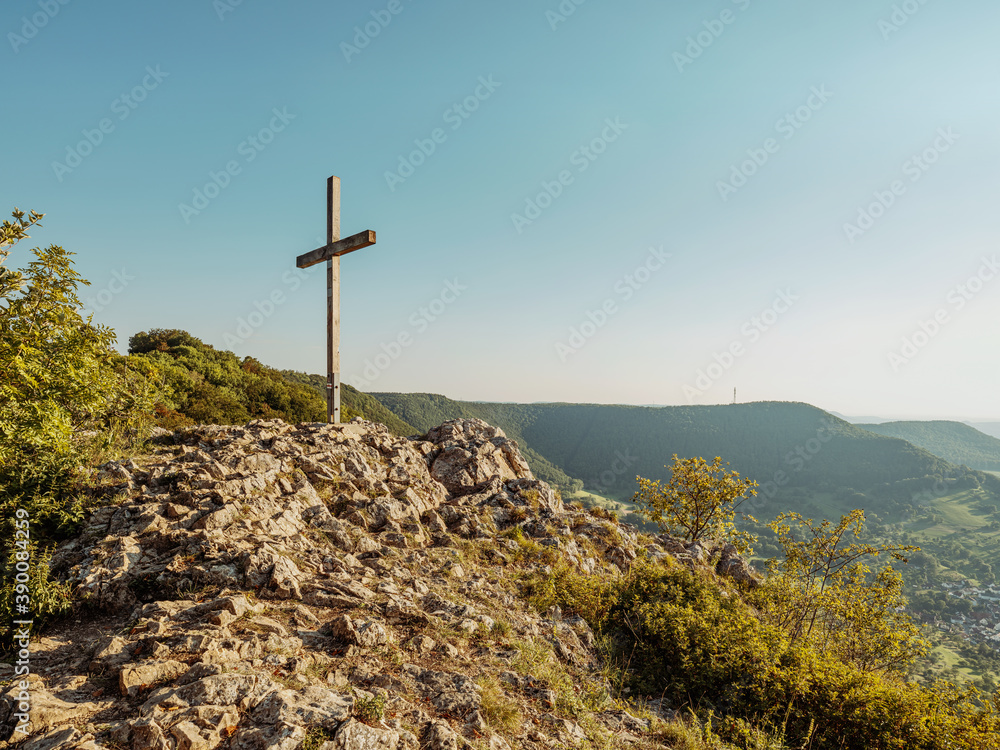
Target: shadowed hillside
x: 953, y: 441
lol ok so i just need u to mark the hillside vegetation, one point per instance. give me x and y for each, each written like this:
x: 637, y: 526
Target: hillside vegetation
x: 204, y: 385
x: 953, y: 441
x: 783, y: 446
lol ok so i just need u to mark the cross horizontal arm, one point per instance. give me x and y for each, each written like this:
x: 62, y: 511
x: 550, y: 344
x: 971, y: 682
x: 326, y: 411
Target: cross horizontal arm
x: 336, y: 249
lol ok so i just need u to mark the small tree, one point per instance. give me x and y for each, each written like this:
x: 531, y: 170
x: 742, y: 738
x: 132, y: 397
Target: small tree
x: 825, y: 592
x: 66, y: 397
x: 699, y: 502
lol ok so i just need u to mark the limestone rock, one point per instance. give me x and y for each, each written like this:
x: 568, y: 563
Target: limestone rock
x: 366, y: 634
x: 472, y: 453
x: 353, y: 735
x: 45, y: 709
x: 440, y: 736
x: 134, y: 679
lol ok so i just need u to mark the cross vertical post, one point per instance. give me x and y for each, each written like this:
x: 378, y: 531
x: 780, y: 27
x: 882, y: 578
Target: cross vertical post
x: 333, y: 303
x: 331, y: 252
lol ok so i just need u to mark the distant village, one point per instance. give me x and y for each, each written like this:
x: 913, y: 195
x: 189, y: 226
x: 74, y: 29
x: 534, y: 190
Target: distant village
x: 982, y: 624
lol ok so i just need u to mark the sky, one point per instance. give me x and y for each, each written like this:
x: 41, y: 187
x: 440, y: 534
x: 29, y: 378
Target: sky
x: 581, y: 201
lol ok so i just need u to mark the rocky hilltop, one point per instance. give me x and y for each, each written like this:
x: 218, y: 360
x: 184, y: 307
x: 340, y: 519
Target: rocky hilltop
x: 328, y: 586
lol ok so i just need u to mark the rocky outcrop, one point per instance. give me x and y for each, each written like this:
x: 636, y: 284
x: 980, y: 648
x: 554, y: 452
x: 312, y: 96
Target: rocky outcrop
x: 335, y: 585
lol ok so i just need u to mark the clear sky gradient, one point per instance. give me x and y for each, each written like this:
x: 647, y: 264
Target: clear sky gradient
x: 640, y: 202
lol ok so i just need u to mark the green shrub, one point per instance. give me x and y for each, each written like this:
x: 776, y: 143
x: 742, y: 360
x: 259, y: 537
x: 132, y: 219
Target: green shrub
x: 688, y: 638
x: 699, y: 502
x: 575, y: 593
x: 206, y: 386
x: 316, y: 737
x: 68, y: 400
x: 370, y: 710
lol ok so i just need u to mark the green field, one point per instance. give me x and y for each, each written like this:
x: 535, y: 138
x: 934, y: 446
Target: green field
x: 958, y: 513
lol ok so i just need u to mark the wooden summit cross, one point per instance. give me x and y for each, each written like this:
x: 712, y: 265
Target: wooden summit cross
x: 331, y: 252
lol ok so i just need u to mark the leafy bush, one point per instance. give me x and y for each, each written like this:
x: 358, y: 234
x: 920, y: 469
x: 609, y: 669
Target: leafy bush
x: 67, y: 400
x: 699, y: 502
x: 206, y: 386
x: 824, y: 591
x: 687, y: 637
x: 370, y: 710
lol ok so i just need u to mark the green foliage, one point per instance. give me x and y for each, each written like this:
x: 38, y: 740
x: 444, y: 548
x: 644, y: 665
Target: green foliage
x: 370, y: 710
x: 824, y: 591
x: 698, y: 503
x: 60, y: 378
x: 67, y: 400
x: 316, y: 737
x: 688, y: 638
x: 838, y: 705
x: 725, y: 653
x: 206, y: 386
x: 48, y: 598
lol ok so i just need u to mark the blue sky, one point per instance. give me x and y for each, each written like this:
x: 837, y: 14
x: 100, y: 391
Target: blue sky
x: 629, y: 202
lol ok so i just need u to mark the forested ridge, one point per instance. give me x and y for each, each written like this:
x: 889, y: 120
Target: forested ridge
x: 953, y: 441
x: 789, y: 445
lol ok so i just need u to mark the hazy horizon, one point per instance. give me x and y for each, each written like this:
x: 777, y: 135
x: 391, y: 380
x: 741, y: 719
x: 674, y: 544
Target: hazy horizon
x: 571, y: 200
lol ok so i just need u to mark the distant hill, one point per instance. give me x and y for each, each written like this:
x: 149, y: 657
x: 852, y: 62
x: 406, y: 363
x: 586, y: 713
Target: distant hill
x: 354, y: 403
x: 789, y: 445
x: 955, y: 442
x: 989, y: 428
x: 860, y: 420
